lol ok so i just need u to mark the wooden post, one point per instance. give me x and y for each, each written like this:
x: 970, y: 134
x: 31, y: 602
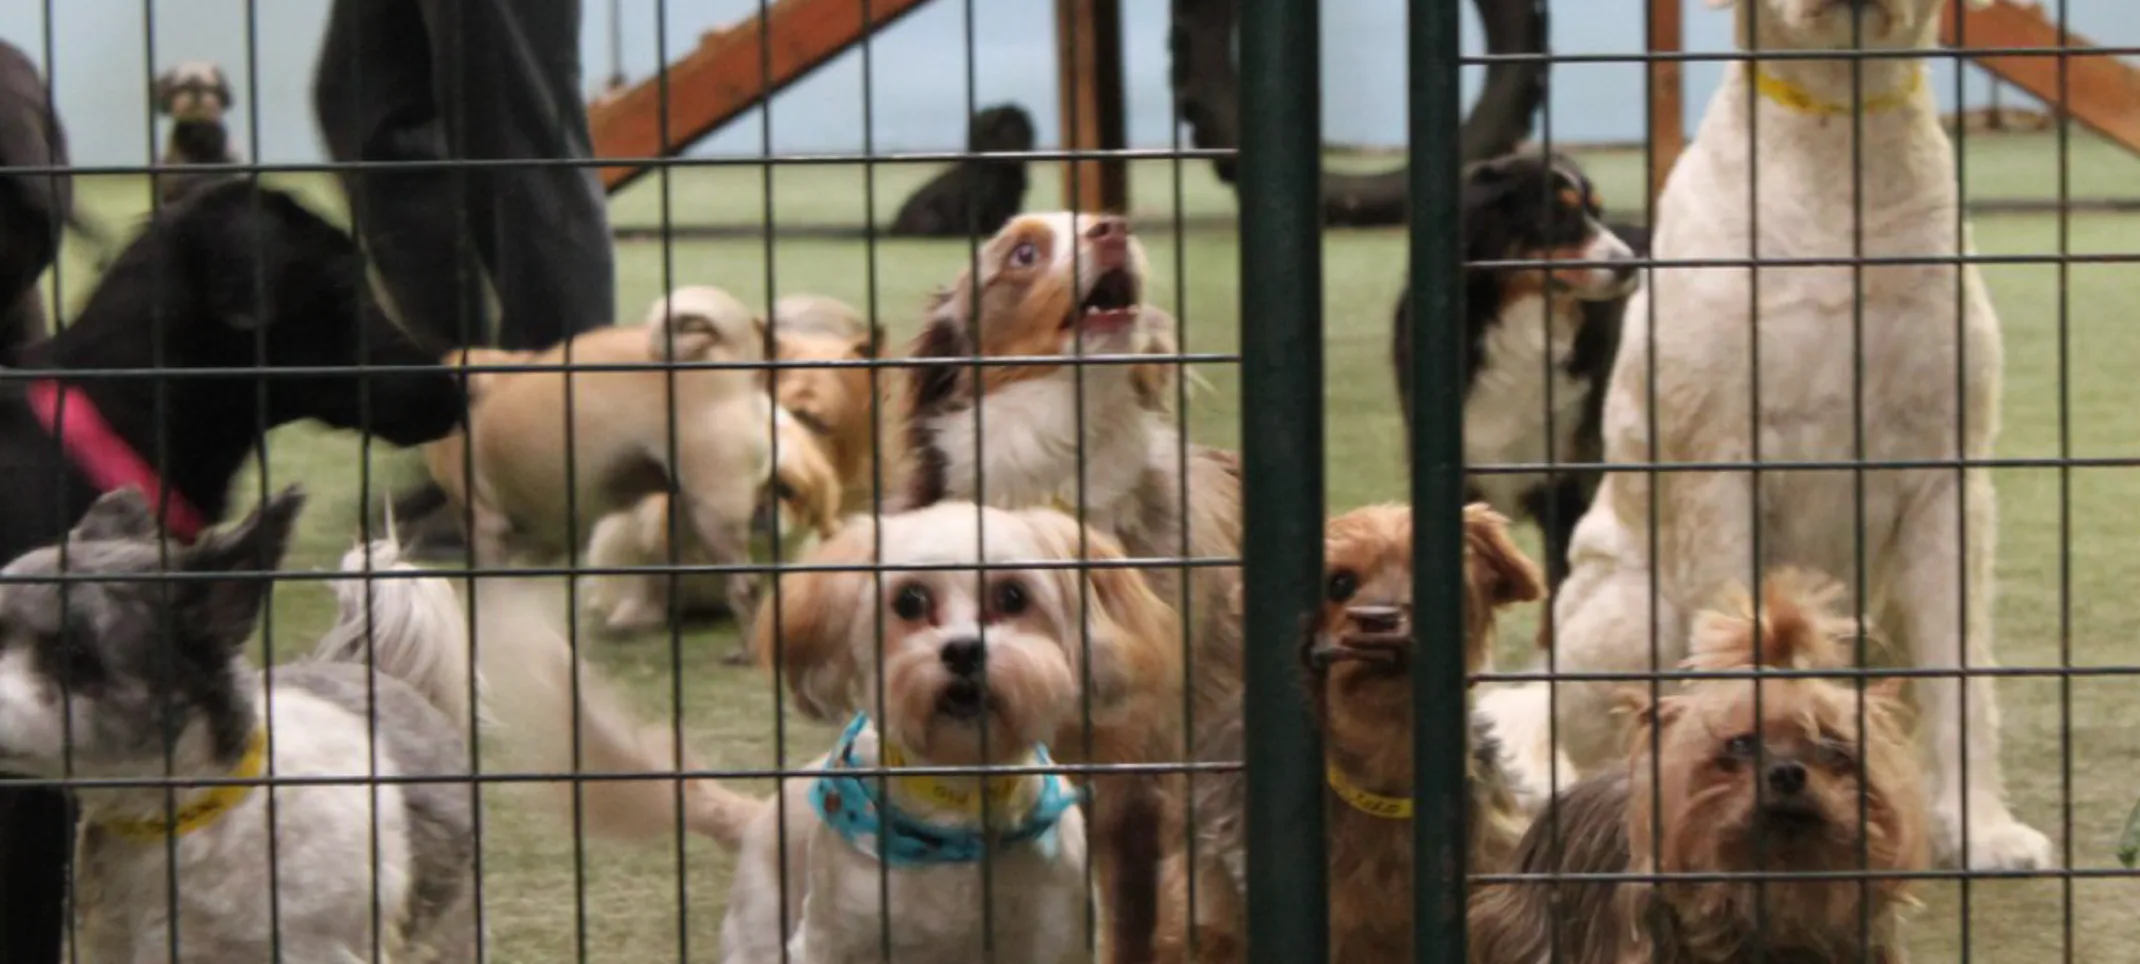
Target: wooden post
x: 1668, y: 129
x: 1088, y: 37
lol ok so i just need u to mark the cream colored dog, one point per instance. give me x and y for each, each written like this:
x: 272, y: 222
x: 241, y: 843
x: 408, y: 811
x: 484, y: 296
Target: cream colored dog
x: 537, y: 489
x: 1929, y: 354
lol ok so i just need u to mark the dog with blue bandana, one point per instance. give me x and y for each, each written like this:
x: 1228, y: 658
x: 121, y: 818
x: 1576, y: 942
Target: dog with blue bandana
x: 971, y: 645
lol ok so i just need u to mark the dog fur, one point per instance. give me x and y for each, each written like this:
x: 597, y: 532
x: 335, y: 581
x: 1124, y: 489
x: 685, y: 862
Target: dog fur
x: 538, y: 491
x: 1052, y: 286
x: 977, y: 195
x: 1356, y: 663
x: 1538, y: 343
x: 1765, y: 776
x: 1040, y: 656
x: 1925, y: 531
x: 34, y: 207
x: 196, y: 95
x: 132, y: 679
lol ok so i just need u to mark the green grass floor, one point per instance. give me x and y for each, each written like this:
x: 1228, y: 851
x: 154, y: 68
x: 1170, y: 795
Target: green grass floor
x: 2066, y: 538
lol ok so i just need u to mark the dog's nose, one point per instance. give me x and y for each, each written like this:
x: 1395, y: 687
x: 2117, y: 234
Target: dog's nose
x: 1786, y: 776
x: 1108, y: 227
x: 1108, y: 236
x: 963, y: 656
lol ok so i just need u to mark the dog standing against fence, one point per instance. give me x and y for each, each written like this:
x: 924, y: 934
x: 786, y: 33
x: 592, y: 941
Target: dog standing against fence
x: 1930, y: 353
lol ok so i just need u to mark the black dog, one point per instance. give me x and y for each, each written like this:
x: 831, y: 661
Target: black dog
x: 975, y: 195
x: 1522, y: 325
x: 195, y: 95
x: 34, y: 206
x: 184, y: 294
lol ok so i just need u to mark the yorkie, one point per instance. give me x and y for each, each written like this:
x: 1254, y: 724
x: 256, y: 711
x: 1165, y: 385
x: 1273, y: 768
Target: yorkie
x: 1730, y: 777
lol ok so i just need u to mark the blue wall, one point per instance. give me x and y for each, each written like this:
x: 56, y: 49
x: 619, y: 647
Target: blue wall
x: 99, y: 50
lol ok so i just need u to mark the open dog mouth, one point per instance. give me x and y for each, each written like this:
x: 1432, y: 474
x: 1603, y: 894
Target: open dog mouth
x: 963, y: 699
x: 1379, y: 636
x: 1785, y: 819
x: 1110, y: 306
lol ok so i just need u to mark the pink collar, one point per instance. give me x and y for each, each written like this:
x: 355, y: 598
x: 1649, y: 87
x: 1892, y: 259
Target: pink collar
x: 105, y: 458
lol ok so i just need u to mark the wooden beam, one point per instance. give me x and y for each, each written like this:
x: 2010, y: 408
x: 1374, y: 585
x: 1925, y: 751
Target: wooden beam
x: 1668, y: 115
x: 1088, y: 37
x: 733, y: 70
x: 2101, y: 91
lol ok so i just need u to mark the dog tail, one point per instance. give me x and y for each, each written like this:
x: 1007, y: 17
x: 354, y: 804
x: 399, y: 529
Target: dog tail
x: 538, y: 688
x: 1801, y: 625
x: 410, y: 628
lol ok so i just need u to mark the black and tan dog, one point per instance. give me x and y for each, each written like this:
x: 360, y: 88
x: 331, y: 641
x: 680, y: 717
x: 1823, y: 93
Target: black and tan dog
x: 233, y: 277
x: 195, y: 95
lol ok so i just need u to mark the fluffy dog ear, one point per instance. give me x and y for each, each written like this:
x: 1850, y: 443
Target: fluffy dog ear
x: 120, y: 514
x: 1136, y: 636
x: 817, y: 619
x: 163, y: 89
x: 223, y: 89
x: 943, y: 337
x: 1499, y: 570
x: 222, y: 611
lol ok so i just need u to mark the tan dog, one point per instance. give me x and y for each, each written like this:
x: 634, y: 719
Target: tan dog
x: 1357, y: 663
x: 535, y: 494
x: 806, y: 493
x: 1013, y: 436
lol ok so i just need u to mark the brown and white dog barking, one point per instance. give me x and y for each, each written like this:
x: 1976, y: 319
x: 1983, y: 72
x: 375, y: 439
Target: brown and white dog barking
x: 1094, y: 438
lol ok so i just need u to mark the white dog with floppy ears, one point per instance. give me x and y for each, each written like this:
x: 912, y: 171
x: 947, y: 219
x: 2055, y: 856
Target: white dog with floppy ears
x: 1769, y: 175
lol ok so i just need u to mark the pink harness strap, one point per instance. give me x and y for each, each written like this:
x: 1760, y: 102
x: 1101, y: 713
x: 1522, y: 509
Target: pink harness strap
x: 105, y: 458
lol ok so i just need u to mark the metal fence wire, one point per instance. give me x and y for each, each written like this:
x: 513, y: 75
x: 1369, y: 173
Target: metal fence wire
x: 999, y: 606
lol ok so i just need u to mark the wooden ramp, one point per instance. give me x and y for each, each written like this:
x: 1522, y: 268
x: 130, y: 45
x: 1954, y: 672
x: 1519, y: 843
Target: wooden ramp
x: 2101, y: 91
x: 733, y: 70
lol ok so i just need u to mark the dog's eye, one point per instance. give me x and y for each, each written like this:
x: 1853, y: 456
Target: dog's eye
x: 1835, y: 755
x: 1008, y: 598
x: 1742, y: 747
x: 911, y: 604
x: 1025, y: 254
x: 1343, y: 584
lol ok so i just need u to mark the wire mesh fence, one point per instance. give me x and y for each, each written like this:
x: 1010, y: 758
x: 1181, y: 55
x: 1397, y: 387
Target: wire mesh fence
x: 857, y: 555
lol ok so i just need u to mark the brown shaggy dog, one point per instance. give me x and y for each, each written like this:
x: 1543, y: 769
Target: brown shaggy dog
x: 1737, y: 784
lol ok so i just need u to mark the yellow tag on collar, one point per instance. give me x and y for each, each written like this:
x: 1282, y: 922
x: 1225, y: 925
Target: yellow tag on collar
x: 206, y: 809
x: 1371, y: 804
x: 1793, y: 97
x: 955, y: 793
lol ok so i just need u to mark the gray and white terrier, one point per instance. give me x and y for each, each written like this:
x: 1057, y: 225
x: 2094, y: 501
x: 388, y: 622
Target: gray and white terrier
x: 128, y: 676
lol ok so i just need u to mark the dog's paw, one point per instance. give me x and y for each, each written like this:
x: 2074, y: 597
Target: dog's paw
x: 1997, y: 841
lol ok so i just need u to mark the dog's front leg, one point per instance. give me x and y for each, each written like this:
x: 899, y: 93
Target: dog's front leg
x: 724, y: 531
x: 1942, y: 624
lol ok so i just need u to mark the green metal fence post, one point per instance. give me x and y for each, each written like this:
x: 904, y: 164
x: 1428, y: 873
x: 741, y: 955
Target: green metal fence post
x: 1282, y: 455
x: 1440, y: 723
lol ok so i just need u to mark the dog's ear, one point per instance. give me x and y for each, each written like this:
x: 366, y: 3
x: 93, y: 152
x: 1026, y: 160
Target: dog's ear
x: 813, y: 628
x: 240, y: 256
x: 1136, y: 636
x: 869, y: 343
x: 163, y: 90
x: 1499, y: 570
x: 223, y: 89
x: 121, y: 514
x: 943, y: 337
x: 223, y: 611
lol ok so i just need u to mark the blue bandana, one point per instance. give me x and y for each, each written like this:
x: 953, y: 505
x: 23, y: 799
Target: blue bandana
x: 850, y: 806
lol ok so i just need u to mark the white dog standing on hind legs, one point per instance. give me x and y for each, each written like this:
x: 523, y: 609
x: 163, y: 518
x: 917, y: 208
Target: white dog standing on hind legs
x: 1928, y: 532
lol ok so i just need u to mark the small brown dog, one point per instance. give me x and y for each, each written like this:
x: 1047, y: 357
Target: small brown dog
x: 1727, y: 791
x: 624, y: 442
x: 1357, y: 663
x: 832, y: 401
x: 196, y: 95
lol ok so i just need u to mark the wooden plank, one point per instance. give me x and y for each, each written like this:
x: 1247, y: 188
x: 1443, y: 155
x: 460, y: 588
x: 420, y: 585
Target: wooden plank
x: 1668, y: 115
x: 2101, y: 91
x: 1088, y: 37
x: 729, y: 74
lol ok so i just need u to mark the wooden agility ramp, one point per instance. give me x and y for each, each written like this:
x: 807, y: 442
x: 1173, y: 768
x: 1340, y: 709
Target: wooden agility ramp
x: 2101, y: 91
x: 738, y: 67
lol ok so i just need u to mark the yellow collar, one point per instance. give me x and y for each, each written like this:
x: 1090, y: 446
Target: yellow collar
x: 209, y: 807
x: 958, y: 793
x: 1793, y: 97
x: 1371, y: 804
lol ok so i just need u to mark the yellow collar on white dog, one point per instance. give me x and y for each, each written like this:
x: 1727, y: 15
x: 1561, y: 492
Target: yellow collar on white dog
x: 1366, y: 801
x: 1008, y: 796
x: 206, y: 809
x: 1793, y: 97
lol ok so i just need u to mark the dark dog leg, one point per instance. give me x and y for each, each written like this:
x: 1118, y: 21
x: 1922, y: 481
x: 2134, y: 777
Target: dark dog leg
x: 36, y: 840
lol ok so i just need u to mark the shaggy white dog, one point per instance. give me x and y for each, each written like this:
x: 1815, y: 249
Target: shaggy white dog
x: 1769, y: 175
